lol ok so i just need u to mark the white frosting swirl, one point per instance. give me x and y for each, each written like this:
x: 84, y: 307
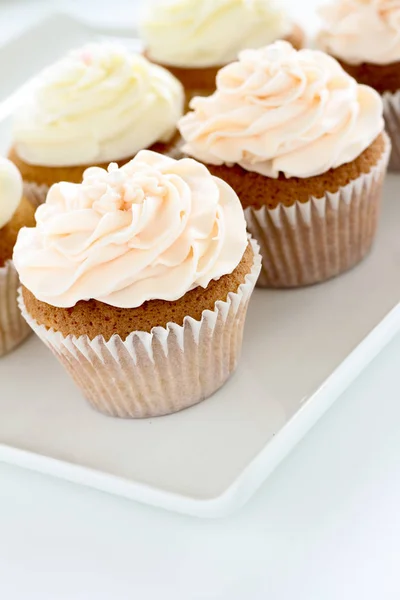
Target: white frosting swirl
x: 358, y: 31
x: 281, y: 110
x: 153, y: 229
x: 98, y: 104
x: 10, y: 190
x: 203, y: 33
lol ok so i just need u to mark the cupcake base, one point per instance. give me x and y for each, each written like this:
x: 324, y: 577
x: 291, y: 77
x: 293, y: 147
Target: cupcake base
x: 305, y: 238
x: 383, y: 78
x: 161, y: 371
x: 13, y: 328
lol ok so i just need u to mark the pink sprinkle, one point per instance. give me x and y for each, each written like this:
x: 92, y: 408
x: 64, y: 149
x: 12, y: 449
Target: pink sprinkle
x: 86, y: 57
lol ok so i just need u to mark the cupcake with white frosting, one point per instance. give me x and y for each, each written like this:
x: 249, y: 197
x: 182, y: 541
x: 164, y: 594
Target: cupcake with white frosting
x: 99, y: 104
x: 138, y: 279
x: 195, y: 38
x: 364, y: 35
x: 302, y: 144
x: 15, y: 212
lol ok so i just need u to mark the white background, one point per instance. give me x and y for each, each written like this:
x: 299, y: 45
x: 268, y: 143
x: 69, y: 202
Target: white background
x: 325, y: 526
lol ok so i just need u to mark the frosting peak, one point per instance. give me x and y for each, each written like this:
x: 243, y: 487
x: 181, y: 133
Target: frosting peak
x: 204, y: 33
x: 278, y: 110
x: 10, y: 190
x: 99, y: 103
x: 153, y: 229
x: 358, y: 31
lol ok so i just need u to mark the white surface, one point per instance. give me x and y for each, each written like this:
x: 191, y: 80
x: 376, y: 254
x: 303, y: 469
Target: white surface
x: 324, y: 527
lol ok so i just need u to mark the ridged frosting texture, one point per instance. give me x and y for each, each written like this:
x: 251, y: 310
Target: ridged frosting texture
x: 358, y: 31
x: 98, y: 104
x: 202, y: 33
x: 154, y: 229
x: 278, y: 110
x: 10, y: 190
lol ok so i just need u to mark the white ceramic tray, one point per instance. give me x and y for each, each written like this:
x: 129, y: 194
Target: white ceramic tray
x: 301, y: 350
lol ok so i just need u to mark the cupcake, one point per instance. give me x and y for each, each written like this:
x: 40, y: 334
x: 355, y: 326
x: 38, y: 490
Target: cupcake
x: 15, y: 212
x: 303, y: 146
x: 138, y: 279
x: 364, y: 35
x: 98, y: 104
x: 195, y: 38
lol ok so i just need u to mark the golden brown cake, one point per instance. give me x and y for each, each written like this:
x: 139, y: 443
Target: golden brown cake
x: 256, y: 190
x: 154, y: 276
x: 307, y: 158
x: 383, y: 78
x: 99, y: 104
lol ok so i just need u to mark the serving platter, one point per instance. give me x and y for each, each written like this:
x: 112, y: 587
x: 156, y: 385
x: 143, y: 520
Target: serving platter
x: 302, y: 348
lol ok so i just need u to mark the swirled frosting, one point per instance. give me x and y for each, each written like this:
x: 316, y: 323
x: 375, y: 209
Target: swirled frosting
x: 98, y: 104
x: 153, y: 229
x: 278, y: 110
x: 203, y: 33
x: 10, y: 190
x: 358, y: 31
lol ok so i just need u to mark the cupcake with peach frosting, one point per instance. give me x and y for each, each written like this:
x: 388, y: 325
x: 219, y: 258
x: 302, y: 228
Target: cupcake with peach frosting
x: 15, y: 212
x: 364, y: 35
x: 195, y: 38
x: 303, y: 146
x: 138, y: 279
x: 98, y: 104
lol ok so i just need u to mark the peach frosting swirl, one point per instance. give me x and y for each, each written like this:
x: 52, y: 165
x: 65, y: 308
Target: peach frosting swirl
x: 153, y: 229
x: 278, y: 110
x: 358, y: 31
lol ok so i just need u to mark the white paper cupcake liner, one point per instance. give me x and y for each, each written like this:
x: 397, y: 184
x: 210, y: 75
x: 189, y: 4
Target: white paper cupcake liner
x: 391, y: 112
x: 313, y: 241
x: 13, y: 328
x: 157, y: 373
x: 35, y: 193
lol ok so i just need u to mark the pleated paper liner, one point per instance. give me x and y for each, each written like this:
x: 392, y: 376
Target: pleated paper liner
x: 391, y: 111
x: 157, y: 373
x: 313, y: 241
x: 13, y: 327
x: 35, y: 193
